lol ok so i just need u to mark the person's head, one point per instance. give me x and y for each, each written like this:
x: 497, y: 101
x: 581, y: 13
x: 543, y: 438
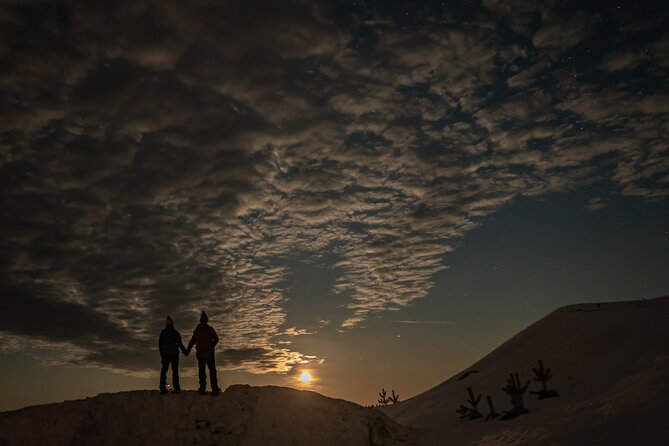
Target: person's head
x: 203, y: 317
x: 169, y: 322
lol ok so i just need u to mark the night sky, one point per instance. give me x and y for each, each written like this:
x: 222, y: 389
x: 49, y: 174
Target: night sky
x: 377, y: 192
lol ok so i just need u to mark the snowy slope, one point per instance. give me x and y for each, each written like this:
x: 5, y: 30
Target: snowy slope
x: 242, y: 415
x: 611, y: 366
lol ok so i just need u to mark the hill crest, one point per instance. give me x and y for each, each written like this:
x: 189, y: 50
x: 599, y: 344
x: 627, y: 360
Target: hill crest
x: 241, y: 415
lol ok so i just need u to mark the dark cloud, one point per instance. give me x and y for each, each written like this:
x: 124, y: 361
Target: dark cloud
x: 163, y: 157
x: 558, y: 34
x: 240, y: 356
x: 56, y: 319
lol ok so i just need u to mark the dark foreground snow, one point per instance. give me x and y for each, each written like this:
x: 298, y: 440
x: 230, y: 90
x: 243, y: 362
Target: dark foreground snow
x: 242, y: 415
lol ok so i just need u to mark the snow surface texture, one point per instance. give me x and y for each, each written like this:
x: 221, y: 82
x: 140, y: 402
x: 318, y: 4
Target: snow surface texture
x: 242, y: 415
x: 610, y: 365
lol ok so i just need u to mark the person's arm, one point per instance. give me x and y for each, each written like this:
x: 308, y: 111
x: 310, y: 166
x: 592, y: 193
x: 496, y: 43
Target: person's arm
x: 160, y: 343
x: 191, y: 342
x: 181, y: 344
x: 214, y: 336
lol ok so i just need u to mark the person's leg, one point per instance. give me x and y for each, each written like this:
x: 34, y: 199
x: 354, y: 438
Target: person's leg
x: 175, y: 372
x: 202, y: 374
x: 163, y: 373
x: 211, y: 363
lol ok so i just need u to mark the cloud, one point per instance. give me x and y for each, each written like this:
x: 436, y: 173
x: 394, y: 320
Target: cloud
x: 160, y: 158
x: 595, y: 204
x: 427, y: 322
x: 623, y: 60
x: 558, y: 34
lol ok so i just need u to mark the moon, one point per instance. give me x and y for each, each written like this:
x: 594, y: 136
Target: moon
x: 305, y: 377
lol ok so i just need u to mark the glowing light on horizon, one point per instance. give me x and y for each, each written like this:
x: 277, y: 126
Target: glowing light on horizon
x: 305, y: 377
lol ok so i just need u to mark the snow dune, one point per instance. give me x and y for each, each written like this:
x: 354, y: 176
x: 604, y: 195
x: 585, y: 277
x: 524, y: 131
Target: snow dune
x: 242, y: 415
x: 610, y: 365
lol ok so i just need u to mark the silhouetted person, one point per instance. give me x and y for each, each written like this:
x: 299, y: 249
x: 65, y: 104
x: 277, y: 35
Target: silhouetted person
x: 169, y: 345
x: 205, y: 339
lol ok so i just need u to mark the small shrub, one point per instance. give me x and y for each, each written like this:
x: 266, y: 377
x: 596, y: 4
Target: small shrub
x: 394, y: 399
x: 516, y: 391
x: 383, y: 397
x: 492, y: 415
x: 543, y: 375
x: 472, y: 412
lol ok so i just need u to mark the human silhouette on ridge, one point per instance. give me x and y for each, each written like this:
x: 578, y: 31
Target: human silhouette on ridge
x: 169, y: 344
x: 205, y: 340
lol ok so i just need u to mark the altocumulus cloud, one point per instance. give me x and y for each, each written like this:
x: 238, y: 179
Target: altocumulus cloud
x: 161, y: 157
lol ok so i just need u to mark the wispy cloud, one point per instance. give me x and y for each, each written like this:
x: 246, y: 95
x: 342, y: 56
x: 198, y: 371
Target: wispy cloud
x: 427, y: 322
x: 595, y: 204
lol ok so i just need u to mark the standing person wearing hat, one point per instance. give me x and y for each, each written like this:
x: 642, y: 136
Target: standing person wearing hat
x: 169, y: 344
x: 205, y: 339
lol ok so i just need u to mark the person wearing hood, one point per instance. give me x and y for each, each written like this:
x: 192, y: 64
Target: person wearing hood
x: 205, y: 340
x: 169, y: 344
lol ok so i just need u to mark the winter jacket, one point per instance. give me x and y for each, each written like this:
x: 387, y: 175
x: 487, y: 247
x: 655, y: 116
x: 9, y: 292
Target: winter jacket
x: 169, y: 342
x: 205, y: 339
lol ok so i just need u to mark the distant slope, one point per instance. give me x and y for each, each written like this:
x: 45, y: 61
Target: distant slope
x: 610, y: 365
x: 242, y: 415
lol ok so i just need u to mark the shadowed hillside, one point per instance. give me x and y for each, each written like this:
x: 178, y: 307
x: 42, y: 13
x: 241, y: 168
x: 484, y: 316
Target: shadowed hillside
x: 610, y: 365
x: 242, y: 415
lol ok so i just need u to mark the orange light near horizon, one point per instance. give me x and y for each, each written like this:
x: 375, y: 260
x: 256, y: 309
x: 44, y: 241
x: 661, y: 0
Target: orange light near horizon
x: 305, y: 378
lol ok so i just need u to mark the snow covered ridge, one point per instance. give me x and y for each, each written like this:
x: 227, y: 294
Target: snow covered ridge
x: 610, y: 365
x: 242, y: 415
